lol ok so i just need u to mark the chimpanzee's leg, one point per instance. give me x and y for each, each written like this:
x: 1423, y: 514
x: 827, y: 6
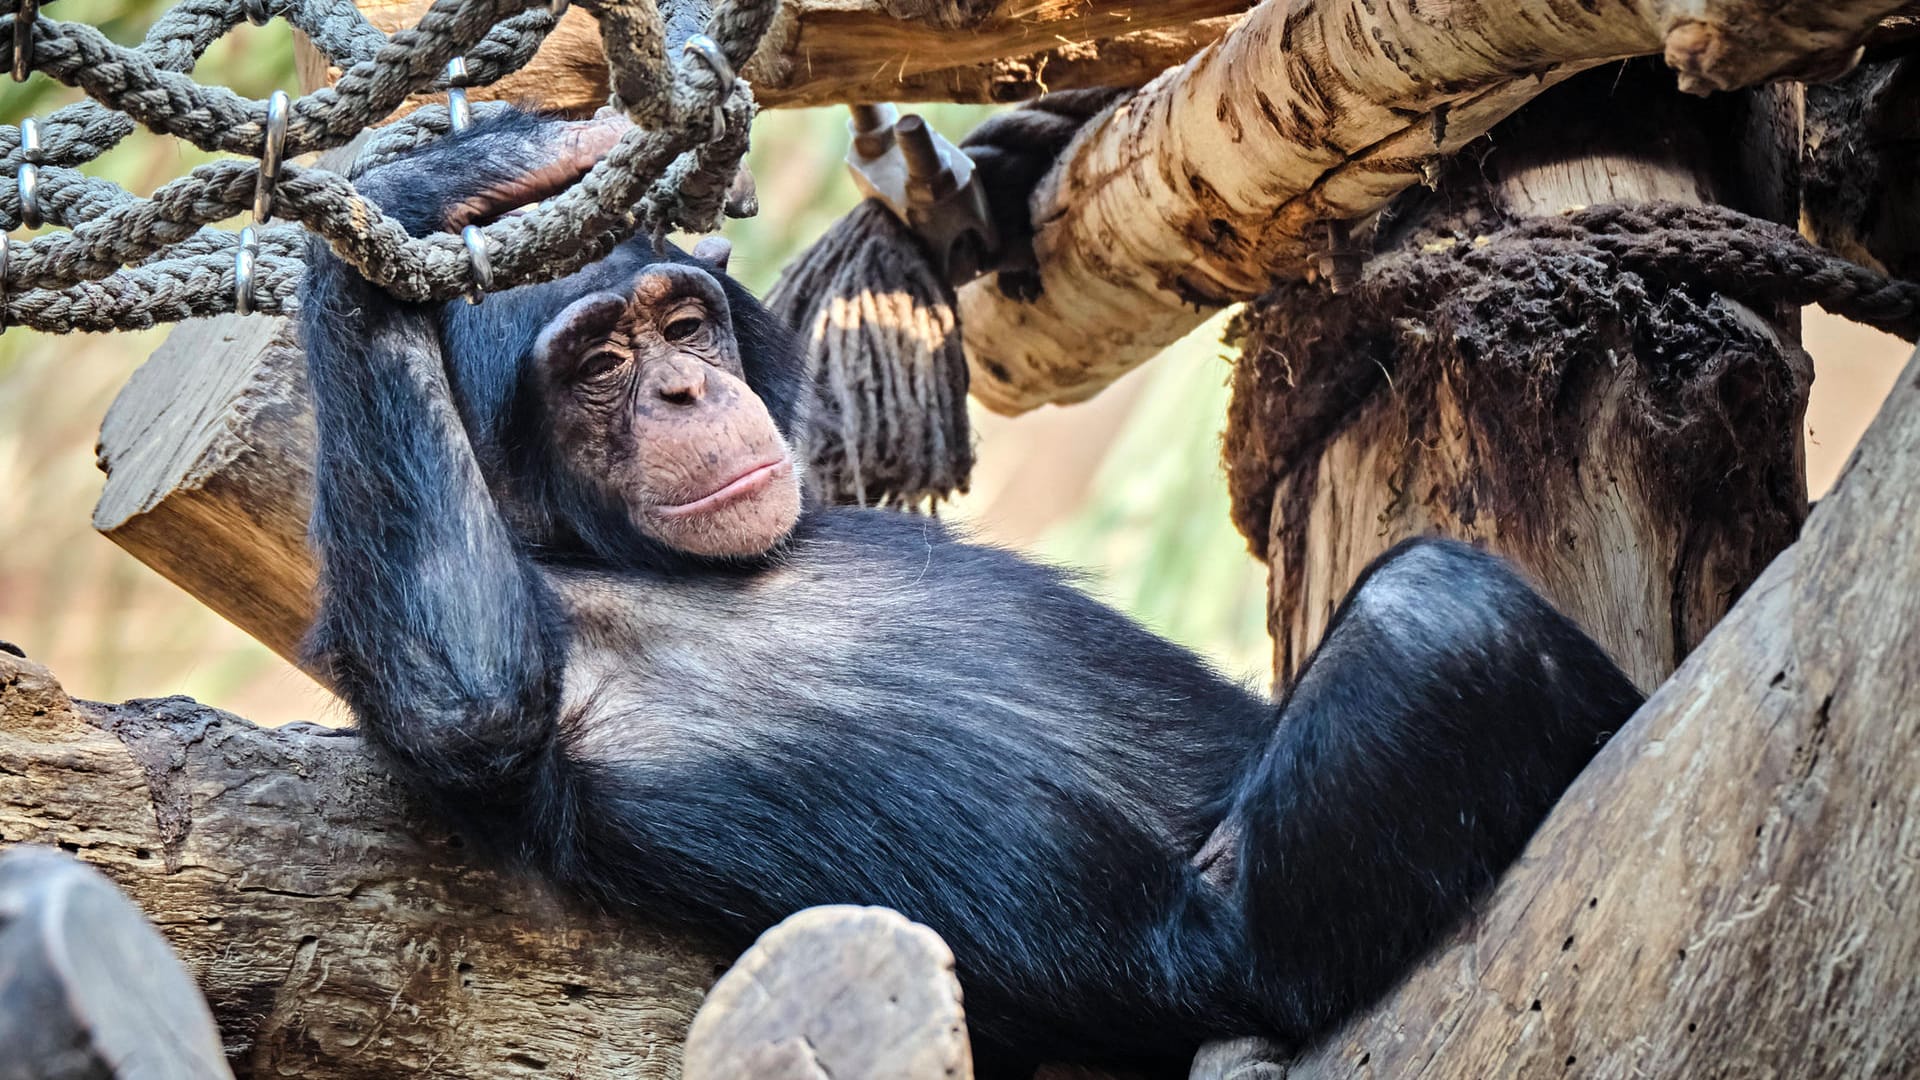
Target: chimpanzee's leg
x: 1444, y: 713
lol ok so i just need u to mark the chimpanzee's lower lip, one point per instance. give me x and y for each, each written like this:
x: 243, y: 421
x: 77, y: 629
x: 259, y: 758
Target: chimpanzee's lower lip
x: 747, y: 484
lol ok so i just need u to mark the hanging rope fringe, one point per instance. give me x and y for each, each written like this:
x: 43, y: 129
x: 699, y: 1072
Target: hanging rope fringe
x: 881, y: 323
x: 889, y: 424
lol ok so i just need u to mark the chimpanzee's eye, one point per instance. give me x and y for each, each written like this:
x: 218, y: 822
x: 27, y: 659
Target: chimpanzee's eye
x: 599, y: 362
x: 683, y: 327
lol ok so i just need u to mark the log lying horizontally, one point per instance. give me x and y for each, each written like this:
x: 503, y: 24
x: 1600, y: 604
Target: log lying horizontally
x: 822, y: 52
x: 88, y: 988
x: 1217, y: 177
x: 336, y: 934
x: 850, y: 993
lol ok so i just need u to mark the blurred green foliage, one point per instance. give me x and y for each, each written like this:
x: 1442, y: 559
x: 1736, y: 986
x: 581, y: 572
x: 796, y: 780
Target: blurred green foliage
x: 1150, y: 532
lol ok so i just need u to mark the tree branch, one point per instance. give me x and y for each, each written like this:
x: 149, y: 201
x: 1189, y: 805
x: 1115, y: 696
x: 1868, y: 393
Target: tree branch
x: 336, y: 933
x: 821, y: 52
x: 1218, y: 177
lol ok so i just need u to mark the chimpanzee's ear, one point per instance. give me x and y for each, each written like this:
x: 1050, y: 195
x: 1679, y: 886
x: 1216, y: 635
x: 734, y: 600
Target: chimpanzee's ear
x: 713, y: 252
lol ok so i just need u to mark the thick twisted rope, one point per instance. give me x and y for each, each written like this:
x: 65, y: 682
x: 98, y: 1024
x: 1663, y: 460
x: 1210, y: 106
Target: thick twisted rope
x: 215, y: 118
x: 1743, y: 257
x: 129, y: 262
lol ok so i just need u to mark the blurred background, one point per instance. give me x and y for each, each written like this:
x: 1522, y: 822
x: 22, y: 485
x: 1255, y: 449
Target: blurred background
x: 1126, y: 488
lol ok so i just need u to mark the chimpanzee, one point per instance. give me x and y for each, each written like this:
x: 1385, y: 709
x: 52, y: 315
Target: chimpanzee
x: 574, y: 592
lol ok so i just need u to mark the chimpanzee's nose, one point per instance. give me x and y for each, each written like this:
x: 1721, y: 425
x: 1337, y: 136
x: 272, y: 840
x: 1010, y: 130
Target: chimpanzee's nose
x: 682, y: 382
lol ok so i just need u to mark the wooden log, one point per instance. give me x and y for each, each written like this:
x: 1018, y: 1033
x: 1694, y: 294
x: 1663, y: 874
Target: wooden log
x: 88, y: 988
x: 1634, y: 445
x: 850, y: 993
x: 1219, y: 176
x: 1728, y: 890
x: 1636, y: 451
x: 336, y: 932
x: 822, y: 52
x: 208, y: 453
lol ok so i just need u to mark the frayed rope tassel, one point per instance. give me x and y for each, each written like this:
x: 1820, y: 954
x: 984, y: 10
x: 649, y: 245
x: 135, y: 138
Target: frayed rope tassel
x: 889, y: 410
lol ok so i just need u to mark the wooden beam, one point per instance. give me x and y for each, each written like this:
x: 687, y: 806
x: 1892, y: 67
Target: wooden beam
x: 208, y: 453
x: 87, y: 986
x: 336, y: 931
x: 1218, y: 177
x: 822, y: 52
x: 1728, y: 888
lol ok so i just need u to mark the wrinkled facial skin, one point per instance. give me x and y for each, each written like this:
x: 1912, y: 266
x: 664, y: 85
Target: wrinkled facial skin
x: 647, y: 399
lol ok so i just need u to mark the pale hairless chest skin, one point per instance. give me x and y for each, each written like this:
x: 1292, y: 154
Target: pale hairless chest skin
x: 573, y: 589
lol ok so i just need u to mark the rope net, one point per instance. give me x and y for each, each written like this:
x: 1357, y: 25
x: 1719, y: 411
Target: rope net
x: 126, y: 263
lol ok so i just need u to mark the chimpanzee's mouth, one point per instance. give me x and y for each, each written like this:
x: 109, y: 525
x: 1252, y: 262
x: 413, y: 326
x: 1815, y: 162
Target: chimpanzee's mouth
x: 573, y: 155
x: 745, y: 486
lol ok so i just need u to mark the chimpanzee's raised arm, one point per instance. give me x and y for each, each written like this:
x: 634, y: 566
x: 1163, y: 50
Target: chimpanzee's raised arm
x: 433, y: 624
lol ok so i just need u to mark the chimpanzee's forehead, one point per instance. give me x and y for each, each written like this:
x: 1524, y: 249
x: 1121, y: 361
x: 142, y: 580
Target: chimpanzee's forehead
x: 508, y: 322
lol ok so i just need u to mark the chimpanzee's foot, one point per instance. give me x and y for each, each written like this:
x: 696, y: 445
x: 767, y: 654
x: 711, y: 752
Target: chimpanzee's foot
x: 1241, y: 1059
x: 89, y: 989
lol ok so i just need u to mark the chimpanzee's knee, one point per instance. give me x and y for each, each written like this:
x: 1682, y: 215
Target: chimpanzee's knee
x: 1430, y: 595
x: 1444, y: 620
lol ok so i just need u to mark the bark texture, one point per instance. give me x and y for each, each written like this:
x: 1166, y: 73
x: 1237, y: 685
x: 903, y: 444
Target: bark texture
x: 89, y: 989
x: 1729, y: 890
x: 1218, y: 176
x: 822, y: 52
x: 335, y: 932
x: 1632, y: 442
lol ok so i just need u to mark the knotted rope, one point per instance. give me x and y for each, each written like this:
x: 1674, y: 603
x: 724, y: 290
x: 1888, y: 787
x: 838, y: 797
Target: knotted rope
x: 1744, y: 257
x: 129, y: 263
x: 1514, y: 306
x: 882, y: 330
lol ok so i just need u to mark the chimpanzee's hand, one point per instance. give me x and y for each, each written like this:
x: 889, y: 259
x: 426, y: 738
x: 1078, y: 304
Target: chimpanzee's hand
x: 507, y: 161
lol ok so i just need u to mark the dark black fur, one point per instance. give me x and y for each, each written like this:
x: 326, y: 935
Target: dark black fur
x: 908, y: 719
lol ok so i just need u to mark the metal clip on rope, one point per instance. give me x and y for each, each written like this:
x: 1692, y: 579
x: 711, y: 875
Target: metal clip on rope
x: 6, y: 256
x: 257, y: 12
x: 476, y: 244
x: 271, y: 156
x: 558, y: 7
x: 708, y: 51
x: 28, y: 177
x: 23, y: 20
x: 244, y: 258
x: 459, y: 113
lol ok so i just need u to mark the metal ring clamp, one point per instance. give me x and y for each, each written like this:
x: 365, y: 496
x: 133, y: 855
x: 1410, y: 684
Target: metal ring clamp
x: 23, y: 20
x: 476, y: 244
x: 459, y: 113
x: 28, y: 176
x: 244, y: 258
x: 271, y: 155
x: 708, y: 51
x: 558, y: 7
x: 258, y: 13
x: 6, y: 256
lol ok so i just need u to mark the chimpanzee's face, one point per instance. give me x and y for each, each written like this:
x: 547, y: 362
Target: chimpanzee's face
x: 634, y: 360
x: 648, y: 400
